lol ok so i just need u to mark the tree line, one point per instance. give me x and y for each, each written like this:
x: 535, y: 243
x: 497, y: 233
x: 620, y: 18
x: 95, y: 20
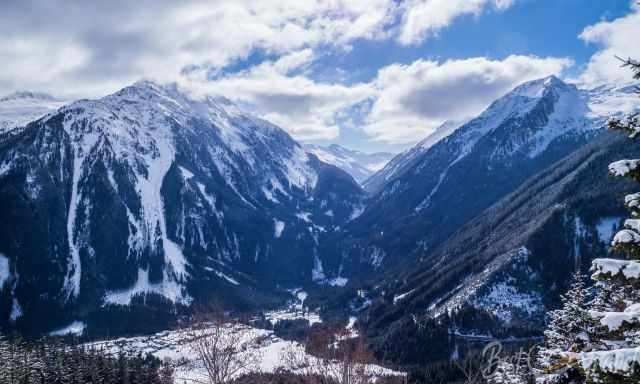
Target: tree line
x: 53, y: 361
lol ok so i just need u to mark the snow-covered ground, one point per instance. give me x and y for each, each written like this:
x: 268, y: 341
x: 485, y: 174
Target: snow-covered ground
x: 178, y: 348
x: 269, y: 351
x: 75, y: 328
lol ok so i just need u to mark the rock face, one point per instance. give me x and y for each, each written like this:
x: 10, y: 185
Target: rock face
x: 150, y: 190
x: 358, y: 164
x: 432, y: 190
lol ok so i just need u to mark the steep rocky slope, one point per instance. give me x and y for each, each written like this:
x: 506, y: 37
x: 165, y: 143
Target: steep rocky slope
x: 500, y: 273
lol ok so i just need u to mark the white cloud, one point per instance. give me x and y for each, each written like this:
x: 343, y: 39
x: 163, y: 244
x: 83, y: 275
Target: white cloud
x: 413, y: 100
x: 616, y: 38
x: 95, y: 48
x: 425, y: 18
x: 90, y: 48
x: 305, y: 108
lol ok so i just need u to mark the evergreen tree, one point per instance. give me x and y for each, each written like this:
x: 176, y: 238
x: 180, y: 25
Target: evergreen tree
x: 615, y: 349
x: 568, y: 325
x: 599, y: 341
x: 52, y: 362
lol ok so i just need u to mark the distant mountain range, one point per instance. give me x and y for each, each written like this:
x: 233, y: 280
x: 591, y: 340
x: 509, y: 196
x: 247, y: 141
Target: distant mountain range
x: 358, y: 164
x: 19, y: 108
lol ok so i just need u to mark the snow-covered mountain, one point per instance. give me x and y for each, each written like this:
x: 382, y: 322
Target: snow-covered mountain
x: 428, y: 194
x: 405, y: 159
x: 502, y: 271
x: 21, y: 107
x: 358, y: 164
x: 150, y: 190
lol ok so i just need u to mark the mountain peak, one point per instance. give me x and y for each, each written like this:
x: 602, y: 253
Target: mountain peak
x: 148, y: 88
x: 177, y: 99
x: 21, y: 95
x: 536, y: 88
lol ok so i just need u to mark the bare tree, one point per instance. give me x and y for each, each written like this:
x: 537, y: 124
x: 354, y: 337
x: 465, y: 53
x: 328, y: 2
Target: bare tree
x: 471, y: 368
x: 334, y: 357
x: 221, y: 345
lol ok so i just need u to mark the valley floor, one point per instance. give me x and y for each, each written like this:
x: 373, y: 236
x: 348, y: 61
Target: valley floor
x: 271, y: 353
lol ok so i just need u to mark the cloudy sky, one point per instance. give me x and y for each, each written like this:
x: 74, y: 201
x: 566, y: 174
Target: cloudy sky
x: 368, y: 74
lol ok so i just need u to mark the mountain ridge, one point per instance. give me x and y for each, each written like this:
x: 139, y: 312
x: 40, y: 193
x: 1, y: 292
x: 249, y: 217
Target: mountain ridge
x: 501, y: 272
x: 455, y: 179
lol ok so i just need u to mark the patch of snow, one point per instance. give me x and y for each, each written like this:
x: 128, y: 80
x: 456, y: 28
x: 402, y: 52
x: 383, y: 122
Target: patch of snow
x: 74, y: 269
x: 614, y: 361
x: 623, y: 167
x: 401, y: 296
x: 357, y: 211
x: 297, y: 171
x: 169, y: 289
x: 304, y: 216
x: 226, y: 277
x: 602, y: 268
x: 278, y: 227
x: 337, y: 281
x: 16, y: 310
x: 317, y: 273
x: 614, y: 320
x: 632, y: 201
x: 504, y: 297
x: 187, y: 174
x: 5, y: 272
x: 269, y: 195
x: 211, y: 200
x: 76, y: 328
x: 626, y: 236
